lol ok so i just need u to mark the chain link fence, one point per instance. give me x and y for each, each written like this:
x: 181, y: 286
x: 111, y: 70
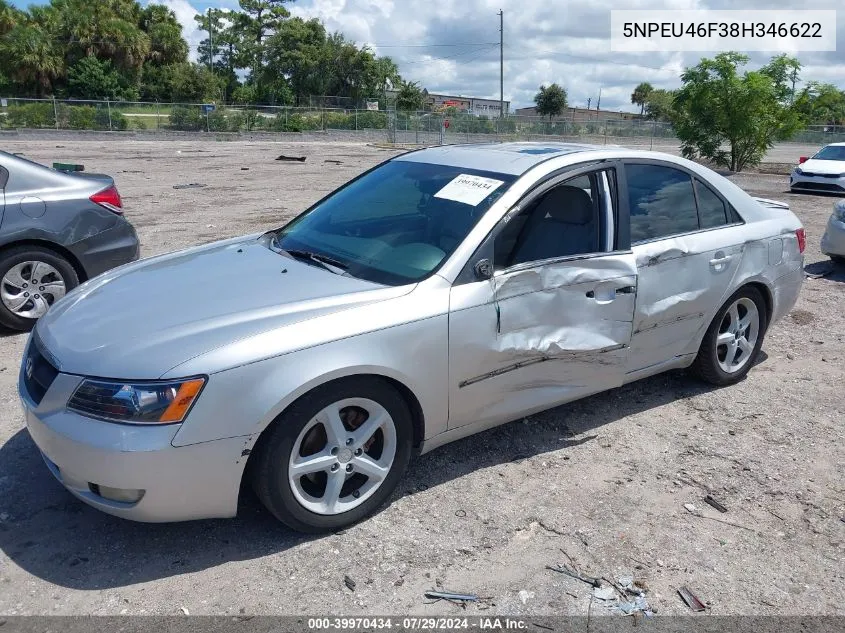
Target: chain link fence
x: 396, y: 127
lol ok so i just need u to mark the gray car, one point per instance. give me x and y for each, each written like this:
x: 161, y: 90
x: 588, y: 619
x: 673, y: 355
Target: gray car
x: 57, y: 229
x: 439, y: 294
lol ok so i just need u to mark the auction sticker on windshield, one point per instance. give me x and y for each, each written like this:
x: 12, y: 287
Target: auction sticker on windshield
x: 469, y: 189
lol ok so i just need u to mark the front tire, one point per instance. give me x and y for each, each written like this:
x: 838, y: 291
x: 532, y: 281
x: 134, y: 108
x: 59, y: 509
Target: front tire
x: 733, y: 340
x: 32, y: 278
x: 335, y: 455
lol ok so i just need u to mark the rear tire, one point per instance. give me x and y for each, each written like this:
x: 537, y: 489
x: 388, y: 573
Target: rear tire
x: 733, y: 340
x: 32, y: 278
x: 312, y: 466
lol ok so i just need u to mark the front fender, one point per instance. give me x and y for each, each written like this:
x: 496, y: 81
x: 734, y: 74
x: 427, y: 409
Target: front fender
x: 243, y: 401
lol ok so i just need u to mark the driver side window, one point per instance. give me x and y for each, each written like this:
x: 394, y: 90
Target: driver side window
x: 569, y: 219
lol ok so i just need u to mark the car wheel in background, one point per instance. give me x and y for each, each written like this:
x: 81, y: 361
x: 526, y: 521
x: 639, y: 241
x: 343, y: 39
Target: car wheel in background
x: 733, y: 340
x: 335, y: 455
x: 32, y: 278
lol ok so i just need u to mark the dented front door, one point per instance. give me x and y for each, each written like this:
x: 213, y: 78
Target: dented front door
x: 538, y: 335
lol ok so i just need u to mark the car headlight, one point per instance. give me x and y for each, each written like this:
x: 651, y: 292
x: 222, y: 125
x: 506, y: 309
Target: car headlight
x: 158, y: 402
x: 798, y: 171
x: 839, y: 211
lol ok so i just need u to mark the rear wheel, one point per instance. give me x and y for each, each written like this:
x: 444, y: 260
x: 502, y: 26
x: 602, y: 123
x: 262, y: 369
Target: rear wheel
x: 733, y: 340
x: 32, y: 278
x: 335, y: 455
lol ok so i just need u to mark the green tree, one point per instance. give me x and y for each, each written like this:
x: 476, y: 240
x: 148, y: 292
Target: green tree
x: 9, y: 16
x: 167, y: 46
x: 717, y: 107
x: 640, y: 95
x: 92, y: 78
x: 37, y: 60
x: 821, y: 104
x: 659, y: 105
x: 550, y: 101
x: 192, y: 83
x: 410, y: 97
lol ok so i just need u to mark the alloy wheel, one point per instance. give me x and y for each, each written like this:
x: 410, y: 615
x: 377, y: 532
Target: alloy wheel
x: 737, y: 336
x: 29, y: 288
x: 342, y: 456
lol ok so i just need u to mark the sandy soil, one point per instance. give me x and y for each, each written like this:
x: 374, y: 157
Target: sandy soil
x: 604, y: 480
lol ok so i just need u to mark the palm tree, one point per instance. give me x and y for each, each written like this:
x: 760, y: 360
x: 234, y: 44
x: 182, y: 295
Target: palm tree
x: 640, y: 95
x: 9, y: 16
x: 36, y: 59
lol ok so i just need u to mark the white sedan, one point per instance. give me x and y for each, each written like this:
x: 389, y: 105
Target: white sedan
x: 824, y: 171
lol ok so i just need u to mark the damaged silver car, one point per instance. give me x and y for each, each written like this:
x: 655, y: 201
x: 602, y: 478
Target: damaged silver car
x: 441, y: 293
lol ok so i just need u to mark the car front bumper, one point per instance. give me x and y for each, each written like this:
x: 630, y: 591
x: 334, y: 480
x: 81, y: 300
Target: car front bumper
x: 197, y: 481
x: 107, y: 249
x: 833, y: 240
x: 817, y: 183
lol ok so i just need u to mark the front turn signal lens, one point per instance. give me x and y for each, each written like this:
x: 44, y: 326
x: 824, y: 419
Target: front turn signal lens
x: 154, y: 402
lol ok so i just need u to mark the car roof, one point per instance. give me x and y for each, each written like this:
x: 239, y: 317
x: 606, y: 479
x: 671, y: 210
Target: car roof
x: 835, y: 145
x: 504, y: 158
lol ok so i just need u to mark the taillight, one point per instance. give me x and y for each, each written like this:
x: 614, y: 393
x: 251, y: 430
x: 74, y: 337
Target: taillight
x: 109, y: 199
x: 803, y: 159
x: 802, y: 240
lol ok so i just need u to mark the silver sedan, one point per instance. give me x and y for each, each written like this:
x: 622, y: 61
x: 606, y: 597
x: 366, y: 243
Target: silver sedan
x: 833, y: 240
x: 439, y: 294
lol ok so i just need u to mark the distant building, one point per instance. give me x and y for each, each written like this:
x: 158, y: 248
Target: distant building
x: 580, y: 114
x: 471, y: 105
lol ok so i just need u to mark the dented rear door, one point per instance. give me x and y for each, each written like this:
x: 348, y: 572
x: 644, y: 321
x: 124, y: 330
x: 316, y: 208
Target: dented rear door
x: 535, y: 336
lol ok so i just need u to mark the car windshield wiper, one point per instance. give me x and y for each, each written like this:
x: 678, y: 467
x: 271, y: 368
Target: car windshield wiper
x: 325, y: 261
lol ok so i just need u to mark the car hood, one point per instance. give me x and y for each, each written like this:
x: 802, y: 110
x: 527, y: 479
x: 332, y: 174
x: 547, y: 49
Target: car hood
x: 815, y: 166
x: 140, y: 320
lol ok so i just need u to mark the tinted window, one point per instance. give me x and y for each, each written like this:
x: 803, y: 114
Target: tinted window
x: 831, y: 152
x: 397, y: 223
x: 564, y: 221
x: 711, y: 209
x: 662, y: 202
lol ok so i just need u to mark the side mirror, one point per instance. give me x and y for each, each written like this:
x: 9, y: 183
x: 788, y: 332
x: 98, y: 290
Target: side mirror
x: 483, y: 269
x: 802, y: 159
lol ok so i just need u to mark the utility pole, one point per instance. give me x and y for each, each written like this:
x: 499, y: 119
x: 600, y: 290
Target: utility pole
x: 210, y: 44
x: 501, y: 64
x: 598, y: 103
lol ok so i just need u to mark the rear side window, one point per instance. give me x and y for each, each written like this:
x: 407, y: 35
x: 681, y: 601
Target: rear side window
x: 711, y: 209
x: 661, y: 201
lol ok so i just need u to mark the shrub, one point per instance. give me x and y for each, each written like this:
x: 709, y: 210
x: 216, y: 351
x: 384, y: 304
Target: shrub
x: 81, y: 117
x: 189, y: 119
x: 32, y: 115
x: 369, y: 120
x: 217, y: 122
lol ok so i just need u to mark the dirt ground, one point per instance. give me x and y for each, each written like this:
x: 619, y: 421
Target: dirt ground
x: 604, y: 480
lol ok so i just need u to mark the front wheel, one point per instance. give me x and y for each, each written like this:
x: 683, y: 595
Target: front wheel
x: 32, y: 279
x: 733, y: 340
x: 335, y: 455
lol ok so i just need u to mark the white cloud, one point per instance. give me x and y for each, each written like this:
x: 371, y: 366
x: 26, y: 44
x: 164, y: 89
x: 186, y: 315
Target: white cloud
x: 545, y: 41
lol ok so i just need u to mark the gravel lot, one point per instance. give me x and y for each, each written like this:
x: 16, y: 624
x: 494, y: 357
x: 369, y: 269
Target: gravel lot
x: 604, y: 479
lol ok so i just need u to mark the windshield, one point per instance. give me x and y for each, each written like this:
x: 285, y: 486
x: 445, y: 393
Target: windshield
x: 397, y: 223
x: 831, y: 152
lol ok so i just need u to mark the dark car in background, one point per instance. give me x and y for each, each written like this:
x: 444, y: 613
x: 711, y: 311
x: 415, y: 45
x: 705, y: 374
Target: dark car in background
x: 57, y: 229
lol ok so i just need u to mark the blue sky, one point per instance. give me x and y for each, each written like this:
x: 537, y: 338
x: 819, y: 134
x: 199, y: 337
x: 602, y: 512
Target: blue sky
x: 448, y: 45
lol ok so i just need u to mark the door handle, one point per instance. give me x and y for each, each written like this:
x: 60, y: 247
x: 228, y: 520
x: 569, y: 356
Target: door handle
x: 607, y: 296
x: 718, y: 261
